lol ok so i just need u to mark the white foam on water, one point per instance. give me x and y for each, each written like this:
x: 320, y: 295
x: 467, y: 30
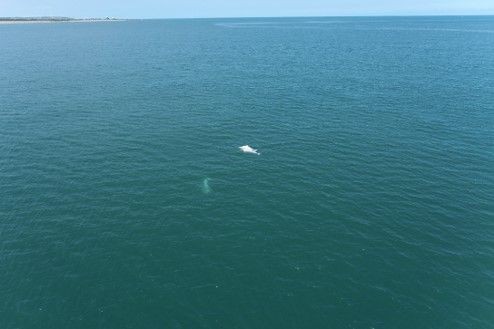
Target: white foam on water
x: 206, y: 189
x: 248, y: 149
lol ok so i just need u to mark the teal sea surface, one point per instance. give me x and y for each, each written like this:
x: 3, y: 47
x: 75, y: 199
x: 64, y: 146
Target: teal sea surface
x: 125, y: 201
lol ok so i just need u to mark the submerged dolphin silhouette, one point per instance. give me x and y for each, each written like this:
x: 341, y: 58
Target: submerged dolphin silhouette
x: 248, y: 149
x: 206, y: 189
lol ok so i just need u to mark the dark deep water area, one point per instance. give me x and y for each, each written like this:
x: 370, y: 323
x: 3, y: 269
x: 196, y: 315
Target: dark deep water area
x: 126, y: 203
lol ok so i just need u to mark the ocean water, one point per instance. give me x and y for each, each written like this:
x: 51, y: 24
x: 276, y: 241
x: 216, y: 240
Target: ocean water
x: 126, y: 203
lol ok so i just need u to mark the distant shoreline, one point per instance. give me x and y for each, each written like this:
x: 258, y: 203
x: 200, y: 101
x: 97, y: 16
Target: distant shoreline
x: 46, y: 20
x: 60, y: 19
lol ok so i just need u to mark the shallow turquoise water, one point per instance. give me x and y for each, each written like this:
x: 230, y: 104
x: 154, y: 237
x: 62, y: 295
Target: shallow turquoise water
x: 125, y: 202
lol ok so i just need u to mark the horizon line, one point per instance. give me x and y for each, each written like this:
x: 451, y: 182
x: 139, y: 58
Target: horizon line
x: 323, y: 16
x: 253, y: 17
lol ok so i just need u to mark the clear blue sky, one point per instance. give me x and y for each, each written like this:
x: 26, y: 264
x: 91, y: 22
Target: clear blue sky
x: 241, y: 8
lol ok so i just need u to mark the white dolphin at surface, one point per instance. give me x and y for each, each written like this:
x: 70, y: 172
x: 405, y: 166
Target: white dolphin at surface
x: 248, y: 149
